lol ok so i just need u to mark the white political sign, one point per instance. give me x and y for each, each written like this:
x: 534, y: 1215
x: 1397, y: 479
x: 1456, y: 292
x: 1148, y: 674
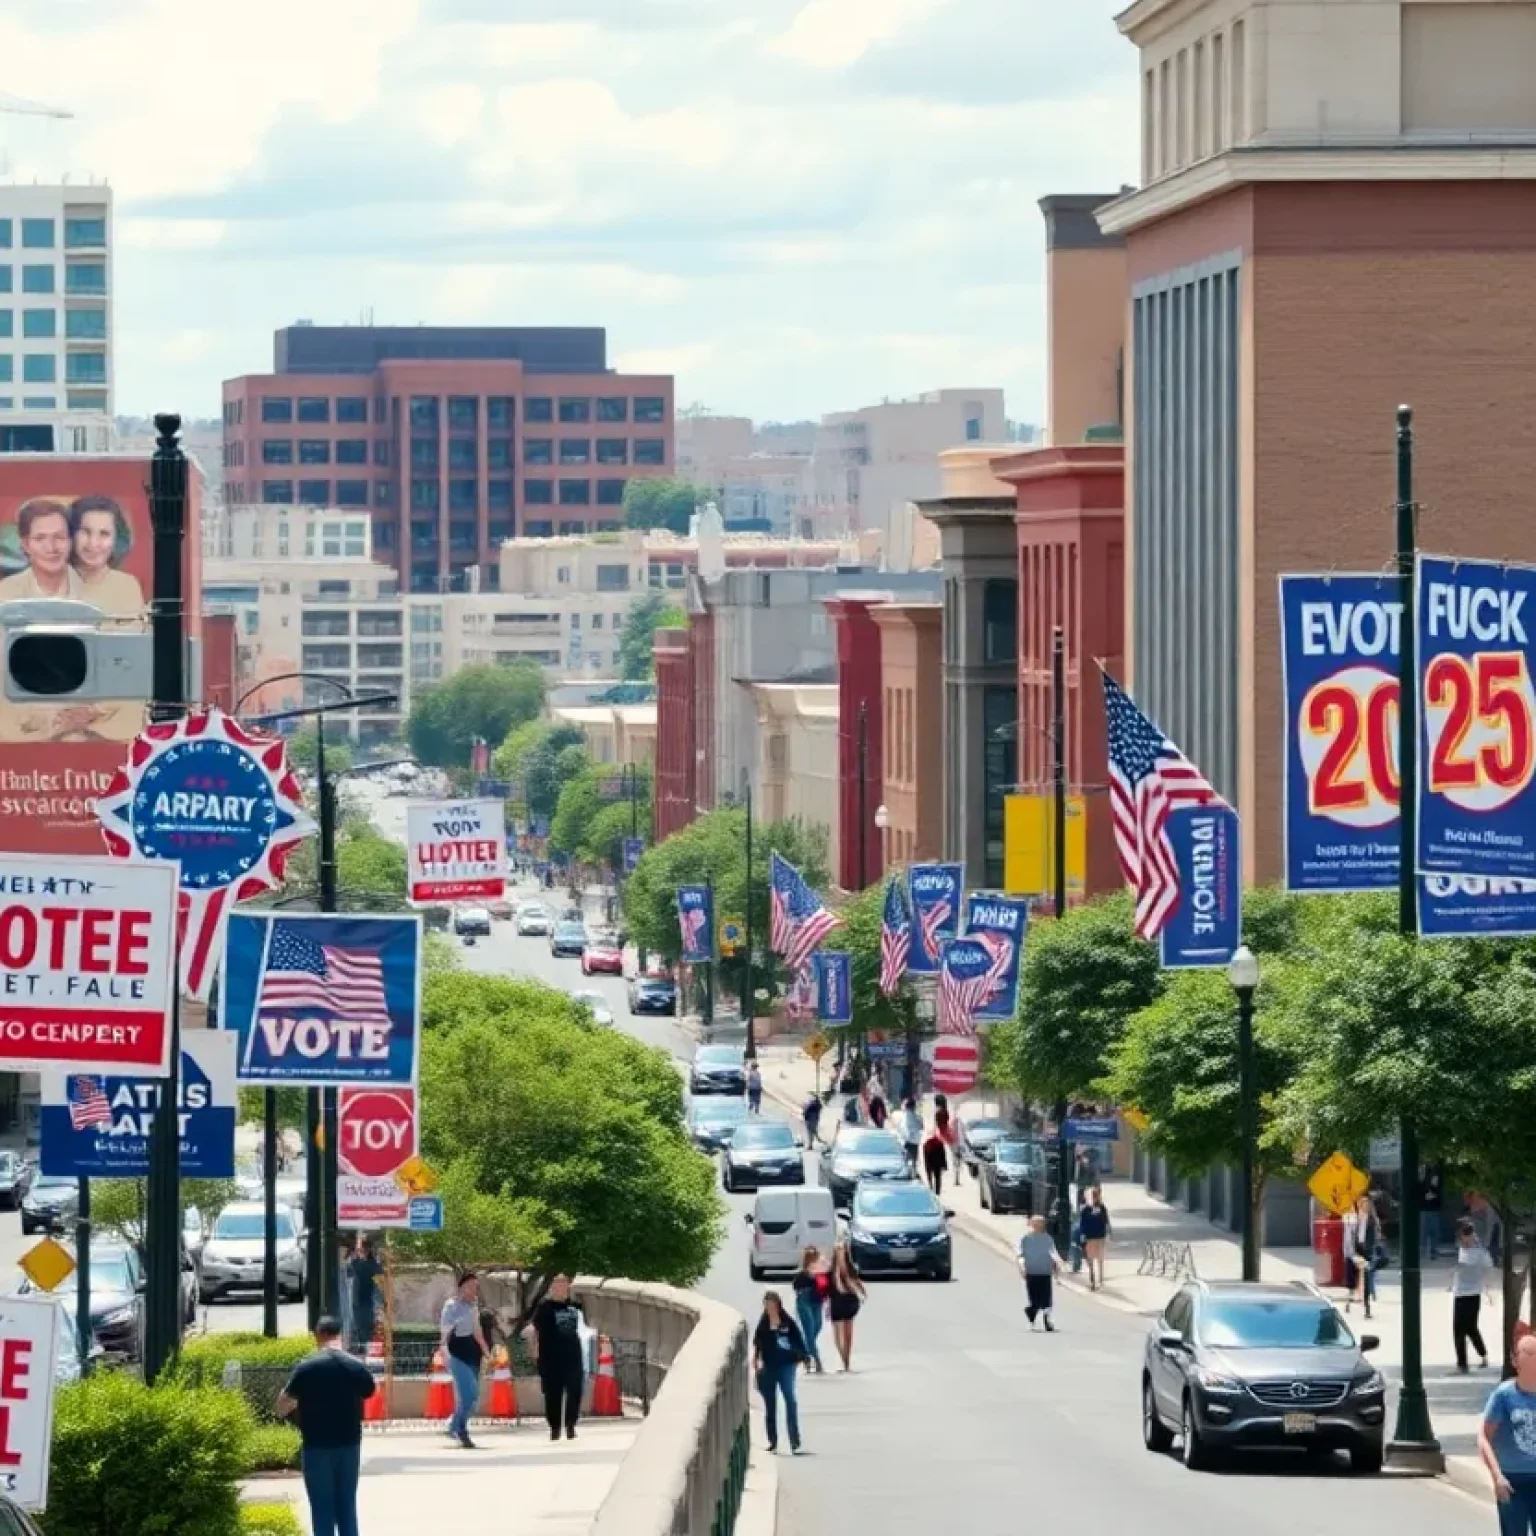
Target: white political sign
x: 456, y: 851
x: 30, y: 1327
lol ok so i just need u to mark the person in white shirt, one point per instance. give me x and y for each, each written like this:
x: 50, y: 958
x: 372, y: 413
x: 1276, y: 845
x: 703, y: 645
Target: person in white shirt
x: 1469, y: 1285
x: 909, y: 1126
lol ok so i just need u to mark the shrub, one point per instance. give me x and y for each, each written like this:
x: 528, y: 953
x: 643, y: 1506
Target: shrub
x: 131, y: 1460
x: 273, y: 1448
x: 269, y: 1520
x: 264, y: 1366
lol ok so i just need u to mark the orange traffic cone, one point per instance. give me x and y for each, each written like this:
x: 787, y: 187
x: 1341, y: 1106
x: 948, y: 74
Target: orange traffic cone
x: 606, y: 1403
x: 439, y: 1390
x: 376, y: 1409
x: 503, y: 1393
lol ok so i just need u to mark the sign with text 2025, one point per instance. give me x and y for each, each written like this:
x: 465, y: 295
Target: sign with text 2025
x: 322, y: 999
x: 998, y: 924
x: 1206, y: 926
x: 457, y: 850
x: 1477, y: 719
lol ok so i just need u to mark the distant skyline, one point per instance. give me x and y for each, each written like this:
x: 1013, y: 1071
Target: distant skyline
x: 795, y: 206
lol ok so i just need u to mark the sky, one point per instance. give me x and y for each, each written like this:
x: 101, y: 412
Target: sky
x: 795, y: 206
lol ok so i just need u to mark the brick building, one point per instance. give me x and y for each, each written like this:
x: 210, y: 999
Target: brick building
x: 912, y: 755
x: 860, y: 735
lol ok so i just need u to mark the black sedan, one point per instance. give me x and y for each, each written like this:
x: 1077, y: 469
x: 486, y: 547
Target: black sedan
x: 1239, y: 1366
x: 568, y: 938
x: 652, y: 994
x: 860, y: 1152
x: 49, y: 1204
x: 15, y: 1180
x: 713, y: 1121
x: 718, y: 1069
x: 1008, y: 1178
x: 976, y: 1140
x: 761, y: 1152
x: 117, y: 1303
x: 899, y: 1229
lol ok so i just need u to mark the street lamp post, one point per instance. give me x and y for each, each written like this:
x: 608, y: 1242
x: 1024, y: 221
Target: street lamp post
x: 1243, y: 973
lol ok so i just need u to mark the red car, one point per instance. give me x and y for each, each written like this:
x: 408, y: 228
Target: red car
x: 602, y: 953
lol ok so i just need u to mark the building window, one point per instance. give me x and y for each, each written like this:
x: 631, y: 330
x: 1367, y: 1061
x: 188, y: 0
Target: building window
x: 424, y: 413
x: 277, y: 493
x: 276, y: 408
x: 538, y: 408
x: 462, y: 454
x: 501, y: 530
x: 539, y: 528
x: 37, y: 280
x: 85, y: 368
x: 613, y: 408
x: 39, y: 402
x: 40, y: 369
x: 7, y: 234
x: 538, y: 450
x: 498, y: 453
x: 7, y: 323
x: 383, y: 493
x: 424, y: 453
x: 37, y: 234
x: 277, y: 450
x: 381, y: 454
x: 1000, y: 622
x: 575, y: 450
x: 7, y: 368
x: 610, y: 493
x: 7, y: 280
x: 463, y: 495
x: 575, y: 409
x: 463, y: 413
x: 86, y: 400
x: 352, y: 450
x: 88, y: 324
x: 40, y: 324
x: 498, y: 495
x: 1000, y: 713
x: 314, y: 408
x: 351, y: 493
x: 650, y: 450
x: 87, y: 232
x: 650, y: 408
x: 568, y: 529
x: 85, y: 277
x: 424, y: 496
x: 313, y: 450
x: 612, y: 450
x: 352, y: 408
x: 575, y: 493
x: 315, y: 493
x: 613, y: 578
x: 498, y: 413
x: 538, y: 493
x: 384, y: 535
x: 973, y: 429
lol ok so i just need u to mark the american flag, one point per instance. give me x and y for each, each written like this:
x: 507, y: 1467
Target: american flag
x: 800, y: 918
x: 932, y: 920
x: 304, y: 976
x: 961, y: 998
x: 1148, y: 778
x: 88, y: 1106
x: 895, y: 938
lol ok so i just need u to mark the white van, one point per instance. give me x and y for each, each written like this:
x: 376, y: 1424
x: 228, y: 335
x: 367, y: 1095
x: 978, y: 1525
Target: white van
x: 784, y: 1223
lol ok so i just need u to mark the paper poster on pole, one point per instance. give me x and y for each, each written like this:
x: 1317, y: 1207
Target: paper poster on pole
x: 456, y: 851
x: 87, y: 956
x: 30, y: 1328
x: 377, y: 1133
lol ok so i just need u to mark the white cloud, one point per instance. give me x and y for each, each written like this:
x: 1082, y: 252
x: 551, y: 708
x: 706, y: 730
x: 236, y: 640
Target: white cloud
x: 832, y: 34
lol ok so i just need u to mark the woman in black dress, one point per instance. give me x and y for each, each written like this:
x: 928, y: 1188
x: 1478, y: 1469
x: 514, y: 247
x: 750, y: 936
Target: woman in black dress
x: 844, y: 1294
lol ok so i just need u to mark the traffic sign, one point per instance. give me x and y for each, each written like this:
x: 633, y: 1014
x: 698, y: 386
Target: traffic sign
x: 1093, y: 1129
x: 47, y: 1264
x: 426, y: 1214
x: 733, y: 934
x: 817, y: 1046
x: 956, y: 1063
x: 416, y: 1177
x: 377, y: 1130
x: 1338, y: 1184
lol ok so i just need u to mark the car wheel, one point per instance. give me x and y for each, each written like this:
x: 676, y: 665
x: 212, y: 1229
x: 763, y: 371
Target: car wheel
x: 755, y: 1270
x: 725, y: 1180
x: 981, y: 1195
x: 1197, y: 1456
x: 945, y: 1275
x: 1366, y: 1459
x: 1155, y: 1435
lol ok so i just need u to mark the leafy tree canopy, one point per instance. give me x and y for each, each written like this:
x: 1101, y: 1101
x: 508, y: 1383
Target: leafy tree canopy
x: 479, y: 702
x: 304, y: 749
x: 662, y: 503
x: 656, y: 610
x: 588, y: 822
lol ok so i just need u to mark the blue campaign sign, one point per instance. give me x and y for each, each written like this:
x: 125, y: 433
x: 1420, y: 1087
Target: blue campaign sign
x: 1092, y: 1130
x: 1469, y: 907
x: 696, y: 919
x: 935, y: 892
x: 834, y: 986
x: 1339, y: 658
x: 1477, y: 719
x: 1206, y: 927
x: 98, y: 1127
x: 322, y: 999
x: 633, y: 848
x: 425, y: 1213
x: 998, y: 924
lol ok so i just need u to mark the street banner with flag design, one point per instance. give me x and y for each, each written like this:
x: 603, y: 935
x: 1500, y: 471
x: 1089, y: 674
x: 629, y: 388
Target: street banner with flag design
x: 895, y: 937
x: 1148, y: 778
x: 999, y: 924
x: 696, y: 922
x: 965, y: 983
x: 89, y: 1108
x: 935, y: 891
x: 801, y: 920
x: 833, y: 971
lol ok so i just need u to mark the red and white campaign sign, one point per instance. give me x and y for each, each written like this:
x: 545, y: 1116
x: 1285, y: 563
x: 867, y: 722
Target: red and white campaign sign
x: 30, y: 1329
x: 377, y: 1134
x: 457, y: 851
x: 87, y: 956
x: 956, y: 1063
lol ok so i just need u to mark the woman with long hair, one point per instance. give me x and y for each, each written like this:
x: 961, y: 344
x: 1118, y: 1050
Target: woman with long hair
x: 845, y: 1292
x: 810, y: 1292
x: 777, y: 1350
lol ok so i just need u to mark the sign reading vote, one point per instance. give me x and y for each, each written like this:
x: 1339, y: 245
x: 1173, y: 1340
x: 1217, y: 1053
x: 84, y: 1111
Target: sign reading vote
x: 96, y: 1127
x: 1205, y: 928
x: 456, y: 850
x: 323, y: 999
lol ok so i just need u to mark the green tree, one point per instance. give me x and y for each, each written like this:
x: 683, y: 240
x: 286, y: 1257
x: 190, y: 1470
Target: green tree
x: 304, y: 749
x: 662, y: 503
x: 656, y: 610
x: 557, y: 758
x: 860, y: 936
x: 476, y: 703
x: 605, y: 834
x: 510, y: 759
x: 118, y: 1205
x: 588, y: 822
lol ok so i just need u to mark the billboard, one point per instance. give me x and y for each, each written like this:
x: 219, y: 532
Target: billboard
x: 457, y: 850
x: 78, y: 528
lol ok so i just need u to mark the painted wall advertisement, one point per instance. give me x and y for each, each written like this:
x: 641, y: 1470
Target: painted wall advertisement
x: 998, y: 924
x: 1205, y: 928
x: 457, y: 851
x: 935, y: 891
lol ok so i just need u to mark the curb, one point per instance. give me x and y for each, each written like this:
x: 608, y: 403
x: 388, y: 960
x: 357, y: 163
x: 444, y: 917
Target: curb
x: 759, y: 1512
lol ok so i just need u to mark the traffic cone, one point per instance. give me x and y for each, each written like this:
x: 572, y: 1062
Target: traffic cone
x: 606, y: 1403
x: 376, y: 1409
x: 439, y: 1390
x: 503, y: 1393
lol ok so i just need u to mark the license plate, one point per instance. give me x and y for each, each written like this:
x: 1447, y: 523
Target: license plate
x: 903, y: 1256
x: 1299, y: 1423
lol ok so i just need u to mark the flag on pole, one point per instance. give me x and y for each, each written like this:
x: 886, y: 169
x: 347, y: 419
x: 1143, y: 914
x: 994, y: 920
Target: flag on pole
x: 801, y: 920
x: 1148, y: 777
x: 895, y: 938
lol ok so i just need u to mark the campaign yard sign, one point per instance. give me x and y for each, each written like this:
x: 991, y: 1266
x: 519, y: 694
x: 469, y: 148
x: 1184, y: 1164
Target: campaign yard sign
x: 456, y: 851
x: 87, y: 956
x: 30, y: 1327
x: 376, y: 1137
x: 323, y: 999
x: 98, y: 1127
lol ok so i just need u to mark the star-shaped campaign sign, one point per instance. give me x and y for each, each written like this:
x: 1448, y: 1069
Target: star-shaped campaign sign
x: 224, y: 804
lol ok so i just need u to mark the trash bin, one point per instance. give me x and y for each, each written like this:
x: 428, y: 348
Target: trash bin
x: 1328, y: 1251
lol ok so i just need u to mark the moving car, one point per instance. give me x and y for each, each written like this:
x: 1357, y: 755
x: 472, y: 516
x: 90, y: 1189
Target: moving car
x: 602, y: 952
x: 472, y: 923
x: 1007, y: 1178
x: 117, y: 1301
x: 860, y: 1152
x: 501, y: 911
x: 49, y: 1204
x: 233, y: 1254
x: 761, y: 1152
x: 718, y: 1069
x: 568, y: 938
x: 785, y: 1222
x: 976, y: 1138
x: 652, y: 994
x: 15, y: 1179
x: 899, y: 1229
x: 533, y: 920
x: 597, y: 1006
x: 712, y: 1122
x: 1235, y: 1365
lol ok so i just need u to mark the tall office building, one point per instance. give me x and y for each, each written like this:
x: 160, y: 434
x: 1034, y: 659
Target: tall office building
x: 455, y: 438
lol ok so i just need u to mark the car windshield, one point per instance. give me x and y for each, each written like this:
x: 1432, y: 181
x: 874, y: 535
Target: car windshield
x: 764, y: 1138
x: 718, y: 1056
x: 109, y: 1272
x: 724, y: 1112
x: 915, y: 1201
x: 52, y: 1181
x: 655, y: 984
x: 985, y: 1127
x: 1013, y: 1153
x: 571, y: 931
x: 1248, y: 1323
x: 870, y: 1144
x: 243, y: 1225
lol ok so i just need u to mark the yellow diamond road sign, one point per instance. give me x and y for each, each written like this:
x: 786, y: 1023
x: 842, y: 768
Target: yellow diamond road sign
x: 47, y: 1264
x: 416, y: 1178
x: 817, y: 1046
x: 1338, y: 1184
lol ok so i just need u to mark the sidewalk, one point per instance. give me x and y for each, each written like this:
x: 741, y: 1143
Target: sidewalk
x: 1138, y: 1217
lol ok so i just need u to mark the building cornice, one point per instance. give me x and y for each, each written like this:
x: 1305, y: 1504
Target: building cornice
x: 1144, y: 19
x: 966, y: 509
x: 1078, y: 459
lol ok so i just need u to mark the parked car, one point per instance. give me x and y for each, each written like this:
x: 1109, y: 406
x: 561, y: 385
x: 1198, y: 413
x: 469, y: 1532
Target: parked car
x: 15, y: 1521
x: 976, y: 1138
x: 784, y: 1223
x: 761, y: 1152
x: 1235, y: 1365
x: 15, y: 1179
x: 1007, y: 1178
x: 718, y: 1069
x: 116, y: 1298
x: 234, y: 1254
x: 597, y: 1005
x: 653, y: 994
x: 533, y: 920
x: 899, y: 1228
x: 472, y: 923
x: 860, y: 1152
x: 602, y: 952
x: 501, y: 911
x: 568, y: 938
x: 49, y: 1204
x: 712, y: 1122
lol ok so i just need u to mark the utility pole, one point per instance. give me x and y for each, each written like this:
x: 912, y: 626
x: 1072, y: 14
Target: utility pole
x: 748, y: 1001
x: 1059, y: 903
x: 1413, y: 1445
x: 162, y: 1219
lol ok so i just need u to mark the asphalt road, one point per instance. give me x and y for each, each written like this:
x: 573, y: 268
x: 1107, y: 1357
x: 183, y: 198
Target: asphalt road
x: 957, y: 1416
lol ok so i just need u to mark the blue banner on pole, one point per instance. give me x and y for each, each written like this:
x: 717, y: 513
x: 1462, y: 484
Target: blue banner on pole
x: 834, y: 986
x: 1477, y: 719
x: 322, y: 999
x: 696, y: 919
x: 1092, y: 1129
x: 633, y: 848
x: 998, y: 924
x: 98, y: 1127
x: 935, y: 891
x: 1469, y: 907
x: 1206, y: 926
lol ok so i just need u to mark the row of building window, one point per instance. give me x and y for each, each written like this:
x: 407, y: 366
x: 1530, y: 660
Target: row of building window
x: 42, y: 234
x: 80, y: 277
x: 43, y: 324
x: 75, y: 400
x: 463, y: 411
x: 43, y: 368
x: 578, y: 450
x: 426, y: 495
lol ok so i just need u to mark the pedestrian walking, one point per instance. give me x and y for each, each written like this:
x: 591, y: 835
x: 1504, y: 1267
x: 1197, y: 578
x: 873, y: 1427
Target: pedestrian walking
x: 1431, y: 1200
x: 934, y: 1159
x: 1363, y: 1251
x: 754, y: 1089
x: 777, y: 1350
x: 1468, y: 1287
x: 1038, y: 1263
x: 852, y: 1113
x: 876, y: 1109
x: 845, y: 1293
x: 558, y: 1354
x: 1093, y: 1223
x: 326, y: 1392
x: 810, y: 1112
x: 1506, y: 1441
x: 463, y: 1343
x: 363, y: 1271
x: 810, y: 1284
x: 944, y: 1124
x: 909, y: 1125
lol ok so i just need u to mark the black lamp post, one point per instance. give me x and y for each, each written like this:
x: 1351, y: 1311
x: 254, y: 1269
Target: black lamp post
x: 1243, y: 973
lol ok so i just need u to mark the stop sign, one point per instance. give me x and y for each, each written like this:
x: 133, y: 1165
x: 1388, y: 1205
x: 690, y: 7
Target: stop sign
x: 377, y: 1130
